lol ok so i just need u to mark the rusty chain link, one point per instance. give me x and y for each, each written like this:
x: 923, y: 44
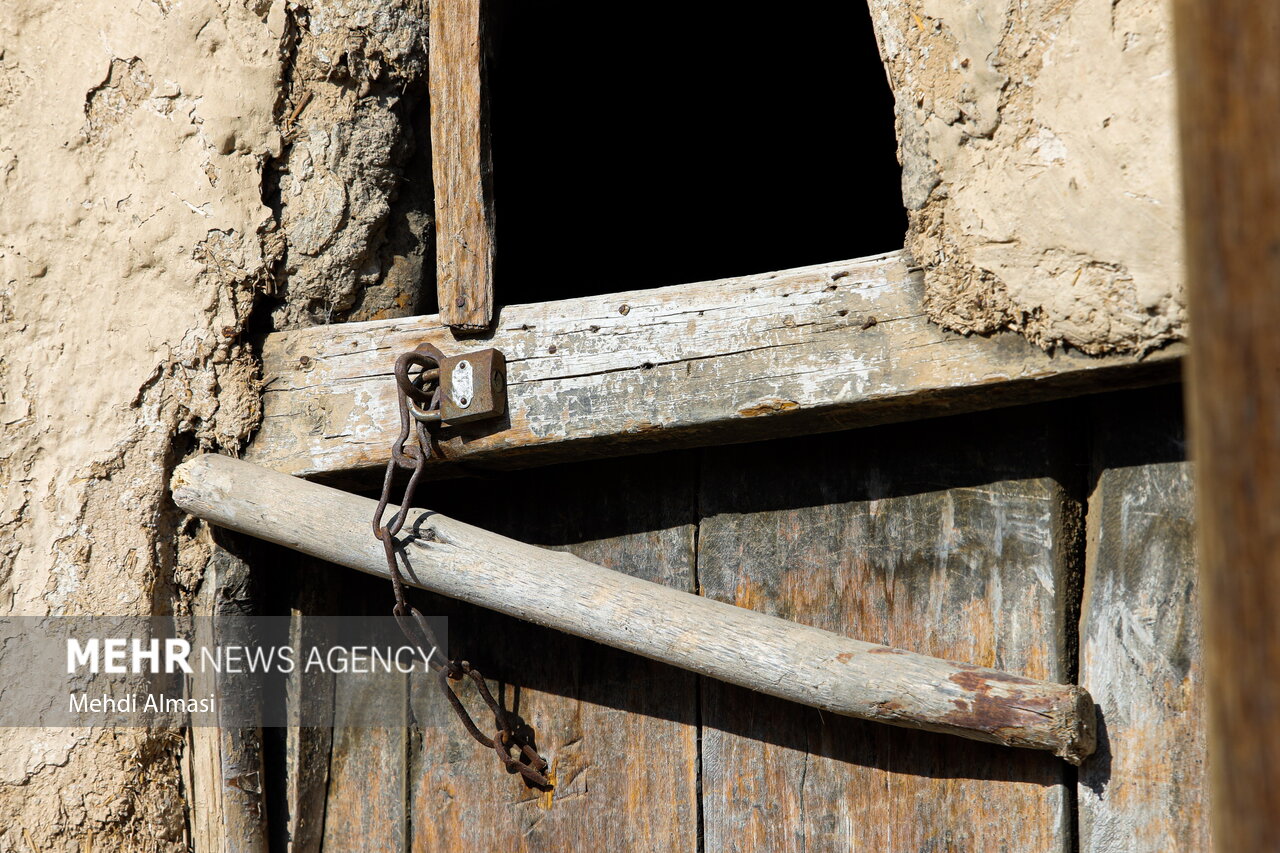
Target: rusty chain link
x: 419, y: 402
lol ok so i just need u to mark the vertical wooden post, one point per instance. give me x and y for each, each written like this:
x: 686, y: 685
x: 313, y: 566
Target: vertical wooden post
x: 1229, y: 80
x: 308, y: 748
x: 460, y: 164
x: 228, y: 803
x: 1141, y: 645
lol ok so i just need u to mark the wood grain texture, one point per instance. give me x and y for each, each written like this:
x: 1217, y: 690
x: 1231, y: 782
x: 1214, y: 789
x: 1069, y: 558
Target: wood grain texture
x: 619, y: 731
x: 1229, y: 104
x: 948, y: 538
x: 557, y: 590
x: 366, y: 804
x: 815, y: 349
x: 1145, y: 789
x: 228, y: 806
x: 309, y: 696
x: 460, y: 164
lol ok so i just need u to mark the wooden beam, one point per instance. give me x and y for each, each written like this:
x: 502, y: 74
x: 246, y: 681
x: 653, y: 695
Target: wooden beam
x: 460, y: 164
x: 1229, y: 90
x: 558, y: 590
x: 816, y: 349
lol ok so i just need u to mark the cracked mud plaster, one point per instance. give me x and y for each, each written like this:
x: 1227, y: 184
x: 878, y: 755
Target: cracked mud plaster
x: 133, y: 239
x: 1039, y: 166
x: 355, y: 182
x: 169, y: 168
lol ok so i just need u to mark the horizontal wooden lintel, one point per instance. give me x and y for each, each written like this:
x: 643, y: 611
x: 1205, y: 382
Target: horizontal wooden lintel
x: 807, y: 350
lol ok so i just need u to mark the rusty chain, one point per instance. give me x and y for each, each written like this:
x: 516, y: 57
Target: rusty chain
x: 419, y: 402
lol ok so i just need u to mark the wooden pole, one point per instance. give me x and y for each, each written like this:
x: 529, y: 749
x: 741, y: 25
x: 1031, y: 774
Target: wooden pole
x: 460, y: 164
x: 715, y: 639
x: 1228, y: 65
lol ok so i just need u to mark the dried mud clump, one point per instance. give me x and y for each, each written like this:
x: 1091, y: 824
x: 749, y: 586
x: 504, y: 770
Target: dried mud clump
x: 354, y: 184
x: 1039, y: 167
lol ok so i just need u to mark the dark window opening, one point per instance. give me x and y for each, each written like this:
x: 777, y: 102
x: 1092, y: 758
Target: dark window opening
x: 640, y: 146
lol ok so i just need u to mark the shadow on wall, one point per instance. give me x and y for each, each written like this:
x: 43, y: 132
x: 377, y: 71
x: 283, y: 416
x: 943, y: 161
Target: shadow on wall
x: 644, y: 146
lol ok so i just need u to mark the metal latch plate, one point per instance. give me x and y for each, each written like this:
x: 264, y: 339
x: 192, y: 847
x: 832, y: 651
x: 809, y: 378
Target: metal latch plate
x: 473, y: 386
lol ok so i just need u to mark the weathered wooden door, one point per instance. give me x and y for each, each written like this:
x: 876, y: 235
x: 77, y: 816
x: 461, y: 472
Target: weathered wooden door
x: 1051, y: 540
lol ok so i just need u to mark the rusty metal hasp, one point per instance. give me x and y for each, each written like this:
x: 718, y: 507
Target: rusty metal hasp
x: 447, y: 391
x: 450, y: 390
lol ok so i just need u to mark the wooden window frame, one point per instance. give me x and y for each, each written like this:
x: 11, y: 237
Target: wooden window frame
x: 813, y: 349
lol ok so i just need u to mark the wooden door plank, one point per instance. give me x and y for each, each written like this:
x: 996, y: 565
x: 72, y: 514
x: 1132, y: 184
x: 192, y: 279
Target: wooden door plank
x: 309, y: 696
x: 618, y: 730
x: 367, y: 799
x: 1140, y: 646
x: 229, y: 813
x: 948, y: 538
x: 815, y: 349
x: 460, y: 164
x: 366, y: 806
x: 1229, y: 109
